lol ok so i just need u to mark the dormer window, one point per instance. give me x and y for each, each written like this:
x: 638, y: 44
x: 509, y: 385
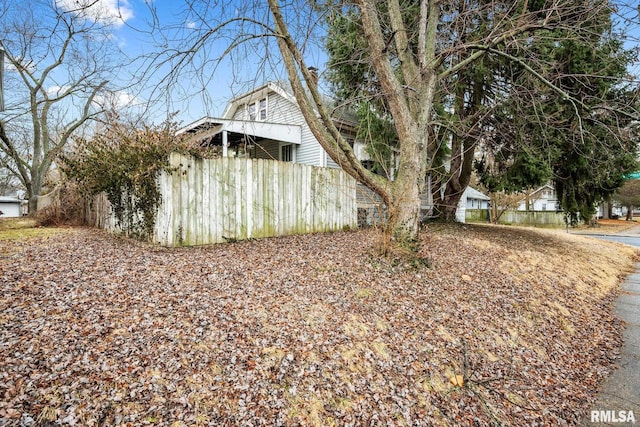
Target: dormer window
x: 258, y: 110
x: 262, y: 109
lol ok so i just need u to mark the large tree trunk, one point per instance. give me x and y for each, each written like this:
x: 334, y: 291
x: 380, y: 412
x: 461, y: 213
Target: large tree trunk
x: 469, y: 96
x: 33, y: 205
x: 34, y: 188
x: 411, y: 108
x: 459, y: 177
x: 404, y: 210
x: 606, y: 210
x: 448, y: 207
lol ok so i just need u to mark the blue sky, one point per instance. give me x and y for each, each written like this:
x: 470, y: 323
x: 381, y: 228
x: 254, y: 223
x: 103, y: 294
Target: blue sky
x: 190, y: 98
x: 148, y: 32
x: 205, y: 84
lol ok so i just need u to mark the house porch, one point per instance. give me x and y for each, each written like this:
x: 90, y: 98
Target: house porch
x: 247, y: 139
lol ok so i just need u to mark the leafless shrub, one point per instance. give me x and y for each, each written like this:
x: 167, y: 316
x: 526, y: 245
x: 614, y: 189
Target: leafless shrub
x: 65, y: 206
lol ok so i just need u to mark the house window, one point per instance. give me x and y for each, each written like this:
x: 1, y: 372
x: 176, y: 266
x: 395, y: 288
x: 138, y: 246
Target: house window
x: 544, y: 206
x: 286, y: 153
x: 262, y: 109
x: 258, y: 110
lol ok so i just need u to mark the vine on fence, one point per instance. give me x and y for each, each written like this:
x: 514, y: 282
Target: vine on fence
x: 124, y: 162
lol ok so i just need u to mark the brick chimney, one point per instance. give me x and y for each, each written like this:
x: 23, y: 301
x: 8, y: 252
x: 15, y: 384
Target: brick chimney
x: 314, y: 75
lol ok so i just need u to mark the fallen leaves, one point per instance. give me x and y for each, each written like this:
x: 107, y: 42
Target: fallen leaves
x: 305, y: 330
x: 457, y: 380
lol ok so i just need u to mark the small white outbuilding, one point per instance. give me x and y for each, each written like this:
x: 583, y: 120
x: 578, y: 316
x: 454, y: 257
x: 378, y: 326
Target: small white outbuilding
x: 11, y: 207
x: 471, y: 199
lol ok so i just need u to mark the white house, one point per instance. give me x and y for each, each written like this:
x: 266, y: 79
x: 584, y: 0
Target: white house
x: 541, y: 199
x: 475, y: 199
x: 267, y: 123
x: 471, y: 199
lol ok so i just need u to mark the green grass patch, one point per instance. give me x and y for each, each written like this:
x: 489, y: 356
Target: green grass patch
x: 17, y: 223
x: 25, y: 228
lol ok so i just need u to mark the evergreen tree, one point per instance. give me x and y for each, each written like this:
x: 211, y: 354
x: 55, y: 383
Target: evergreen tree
x: 559, y: 122
x: 582, y: 141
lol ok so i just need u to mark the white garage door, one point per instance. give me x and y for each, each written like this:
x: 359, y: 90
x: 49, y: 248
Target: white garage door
x: 9, y: 209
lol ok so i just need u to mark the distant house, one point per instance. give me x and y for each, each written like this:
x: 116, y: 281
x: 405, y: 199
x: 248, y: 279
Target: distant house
x: 541, y: 199
x: 475, y: 199
x: 12, y: 207
x: 471, y: 199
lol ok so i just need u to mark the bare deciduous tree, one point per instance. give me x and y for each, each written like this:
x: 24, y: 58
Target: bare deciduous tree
x: 57, y: 62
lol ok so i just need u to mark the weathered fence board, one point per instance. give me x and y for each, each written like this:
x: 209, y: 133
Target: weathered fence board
x: 215, y: 200
x: 531, y: 218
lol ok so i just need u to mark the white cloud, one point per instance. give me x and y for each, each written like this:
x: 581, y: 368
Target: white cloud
x: 27, y: 65
x: 112, y: 12
x: 191, y: 25
x: 115, y: 100
x: 54, y: 91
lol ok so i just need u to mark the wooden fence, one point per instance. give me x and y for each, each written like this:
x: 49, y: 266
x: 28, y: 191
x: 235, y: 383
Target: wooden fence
x: 215, y: 200
x: 372, y: 210
x: 512, y: 217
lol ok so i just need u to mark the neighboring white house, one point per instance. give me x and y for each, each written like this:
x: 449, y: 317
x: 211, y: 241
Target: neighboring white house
x: 541, y: 199
x: 471, y: 199
x: 11, y: 207
x: 475, y: 199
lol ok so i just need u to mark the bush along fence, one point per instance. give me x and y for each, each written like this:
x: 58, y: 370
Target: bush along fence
x: 226, y: 199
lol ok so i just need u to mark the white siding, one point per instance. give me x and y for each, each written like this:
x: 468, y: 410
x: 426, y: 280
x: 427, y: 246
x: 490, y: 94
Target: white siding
x: 282, y: 110
x: 542, y: 204
x: 241, y: 113
x: 309, y: 152
x: 329, y: 162
x: 461, y: 211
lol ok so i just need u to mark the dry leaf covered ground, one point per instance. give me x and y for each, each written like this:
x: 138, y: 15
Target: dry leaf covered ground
x: 506, y: 326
